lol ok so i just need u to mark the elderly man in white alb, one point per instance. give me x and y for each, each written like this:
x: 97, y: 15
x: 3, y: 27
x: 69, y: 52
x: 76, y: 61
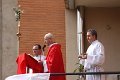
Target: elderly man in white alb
x: 94, y: 57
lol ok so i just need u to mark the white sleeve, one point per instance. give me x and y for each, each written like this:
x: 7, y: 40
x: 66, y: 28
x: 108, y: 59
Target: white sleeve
x: 45, y: 66
x: 98, y: 58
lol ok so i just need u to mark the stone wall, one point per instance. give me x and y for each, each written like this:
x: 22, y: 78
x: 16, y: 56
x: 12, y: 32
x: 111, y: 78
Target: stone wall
x: 9, y: 39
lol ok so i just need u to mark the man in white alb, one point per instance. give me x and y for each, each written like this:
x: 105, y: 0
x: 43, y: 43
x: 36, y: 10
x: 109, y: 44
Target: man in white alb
x: 37, y: 54
x: 94, y: 57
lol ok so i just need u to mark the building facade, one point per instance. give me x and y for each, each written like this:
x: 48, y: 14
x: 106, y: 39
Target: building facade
x: 60, y: 17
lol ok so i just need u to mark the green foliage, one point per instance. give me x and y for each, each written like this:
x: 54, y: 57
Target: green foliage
x: 80, y: 68
x: 18, y: 12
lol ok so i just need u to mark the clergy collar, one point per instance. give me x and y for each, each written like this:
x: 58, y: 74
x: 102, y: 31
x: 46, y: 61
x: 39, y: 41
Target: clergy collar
x: 37, y: 55
x: 53, y: 44
x: 94, y: 41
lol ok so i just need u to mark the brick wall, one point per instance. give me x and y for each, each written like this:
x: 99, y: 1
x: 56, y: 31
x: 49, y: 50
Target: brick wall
x: 38, y: 18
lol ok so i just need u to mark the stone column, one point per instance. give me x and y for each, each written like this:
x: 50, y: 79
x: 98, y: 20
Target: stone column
x: 0, y: 39
x: 9, y: 39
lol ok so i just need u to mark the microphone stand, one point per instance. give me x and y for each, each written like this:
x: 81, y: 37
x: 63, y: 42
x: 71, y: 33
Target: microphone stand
x: 43, y: 49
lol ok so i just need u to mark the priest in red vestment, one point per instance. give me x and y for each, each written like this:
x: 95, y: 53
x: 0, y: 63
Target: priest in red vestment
x: 54, y: 61
x: 52, y: 64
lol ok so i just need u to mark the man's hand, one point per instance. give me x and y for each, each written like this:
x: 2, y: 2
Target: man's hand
x: 82, y: 56
x: 40, y: 62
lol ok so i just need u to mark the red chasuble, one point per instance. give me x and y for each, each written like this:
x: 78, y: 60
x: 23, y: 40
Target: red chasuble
x: 55, y: 61
x: 24, y: 61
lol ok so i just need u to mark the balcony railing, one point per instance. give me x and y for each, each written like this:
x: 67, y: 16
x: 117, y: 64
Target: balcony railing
x: 117, y: 74
x: 80, y: 76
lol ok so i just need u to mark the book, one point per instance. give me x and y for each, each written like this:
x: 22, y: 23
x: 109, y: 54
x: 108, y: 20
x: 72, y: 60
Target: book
x: 32, y: 58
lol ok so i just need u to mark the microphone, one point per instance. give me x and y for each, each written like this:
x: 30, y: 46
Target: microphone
x: 43, y: 48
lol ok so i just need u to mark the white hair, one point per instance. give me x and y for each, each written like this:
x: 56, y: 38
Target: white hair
x: 49, y: 35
